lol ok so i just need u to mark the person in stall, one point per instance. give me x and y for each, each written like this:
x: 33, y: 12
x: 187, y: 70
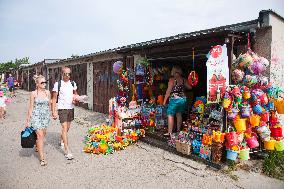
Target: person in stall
x: 177, y: 98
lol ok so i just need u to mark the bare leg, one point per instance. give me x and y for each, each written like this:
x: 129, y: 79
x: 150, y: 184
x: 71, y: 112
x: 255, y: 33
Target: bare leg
x: 170, y: 123
x: 179, y: 121
x: 1, y: 112
x: 64, y: 136
x: 39, y: 143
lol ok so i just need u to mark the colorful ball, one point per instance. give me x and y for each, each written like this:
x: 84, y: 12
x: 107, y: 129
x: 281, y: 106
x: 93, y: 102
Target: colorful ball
x: 117, y: 66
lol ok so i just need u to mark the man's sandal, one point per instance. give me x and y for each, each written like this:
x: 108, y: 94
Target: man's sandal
x: 43, y: 162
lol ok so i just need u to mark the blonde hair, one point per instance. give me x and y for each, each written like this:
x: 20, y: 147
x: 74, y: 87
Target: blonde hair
x: 37, y: 78
x: 176, y: 69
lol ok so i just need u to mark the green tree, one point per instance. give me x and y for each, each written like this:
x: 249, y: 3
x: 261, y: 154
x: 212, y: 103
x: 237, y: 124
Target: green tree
x: 6, y: 66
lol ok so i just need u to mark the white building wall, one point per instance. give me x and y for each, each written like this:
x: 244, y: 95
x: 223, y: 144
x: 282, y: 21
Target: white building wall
x: 90, y: 87
x: 277, y: 51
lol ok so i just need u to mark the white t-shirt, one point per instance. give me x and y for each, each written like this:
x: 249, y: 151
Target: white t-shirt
x: 2, y: 101
x: 65, y: 97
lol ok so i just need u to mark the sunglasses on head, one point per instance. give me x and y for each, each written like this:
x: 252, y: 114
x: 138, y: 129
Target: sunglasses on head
x: 44, y: 82
x: 67, y: 74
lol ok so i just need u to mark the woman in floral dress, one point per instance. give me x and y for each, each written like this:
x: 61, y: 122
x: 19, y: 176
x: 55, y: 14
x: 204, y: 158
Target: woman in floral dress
x: 39, y: 114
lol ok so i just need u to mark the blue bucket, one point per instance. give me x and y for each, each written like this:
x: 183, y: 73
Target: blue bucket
x: 232, y: 155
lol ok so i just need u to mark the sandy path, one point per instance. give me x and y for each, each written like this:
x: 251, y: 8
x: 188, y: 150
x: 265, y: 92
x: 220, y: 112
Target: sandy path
x: 139, y: 166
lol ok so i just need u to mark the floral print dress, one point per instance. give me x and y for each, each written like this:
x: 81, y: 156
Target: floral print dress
x: 40, y: 118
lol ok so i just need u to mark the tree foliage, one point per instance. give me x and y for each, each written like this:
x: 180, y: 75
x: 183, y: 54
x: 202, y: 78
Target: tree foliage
x: 6, y: 66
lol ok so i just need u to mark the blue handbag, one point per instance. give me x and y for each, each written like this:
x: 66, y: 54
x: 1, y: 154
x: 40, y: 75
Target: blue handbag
x: 28, y: 137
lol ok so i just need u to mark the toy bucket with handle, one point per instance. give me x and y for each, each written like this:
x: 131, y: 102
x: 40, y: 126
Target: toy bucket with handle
x: 279, y: 105
x: 240, y: 124
x: 269, y: 145
x: 254, y: 120
x: 276, y: 131
x: 265, y: 116
x: 245, y: 111
x: 232, y: 155
x: 244, y: 154
x: 252, y: 141
x: 231, y: 139
x: 279, y: 145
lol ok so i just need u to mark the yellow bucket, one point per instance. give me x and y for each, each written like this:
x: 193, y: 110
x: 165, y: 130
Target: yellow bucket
x: 279, y: 145
x: 240, y: 124
x: 279, y: 105
x: 254, y: 120
x: 269, y: 145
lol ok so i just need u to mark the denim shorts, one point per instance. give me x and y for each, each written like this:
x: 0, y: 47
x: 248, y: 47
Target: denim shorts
x: 176, y: 105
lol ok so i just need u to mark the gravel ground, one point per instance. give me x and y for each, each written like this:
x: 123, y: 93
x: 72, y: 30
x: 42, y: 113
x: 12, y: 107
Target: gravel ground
x: 139, y: 165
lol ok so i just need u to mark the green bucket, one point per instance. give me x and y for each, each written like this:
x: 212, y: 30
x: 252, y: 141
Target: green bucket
x: 244, y: 154
x: 279, y: 145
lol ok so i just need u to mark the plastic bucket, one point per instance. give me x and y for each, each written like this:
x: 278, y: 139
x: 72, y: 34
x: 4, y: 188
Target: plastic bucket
x: 279, y: 105
x: 240, y: 124
x: 279, y: 145
x: 244, y: 154
x: 269, y: 145
x: 232, y: 155
x: 254, y: 120
x: 252, y: 142
x: 245, y: 111
x: 276, y: 131
x: 265, y: 116
x: 232, y: 115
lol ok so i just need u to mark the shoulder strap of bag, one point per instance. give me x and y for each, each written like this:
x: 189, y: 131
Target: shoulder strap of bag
x: 58, y: 89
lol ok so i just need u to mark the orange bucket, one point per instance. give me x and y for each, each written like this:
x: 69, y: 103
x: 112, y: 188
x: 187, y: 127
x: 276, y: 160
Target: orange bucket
x: 269, y: 145
x: 240, y: 124
x: 254, y: 120
x: 279, y: 105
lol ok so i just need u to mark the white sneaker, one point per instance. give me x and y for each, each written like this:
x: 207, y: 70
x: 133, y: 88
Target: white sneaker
x: 69, y: 156
x: 61, y: 144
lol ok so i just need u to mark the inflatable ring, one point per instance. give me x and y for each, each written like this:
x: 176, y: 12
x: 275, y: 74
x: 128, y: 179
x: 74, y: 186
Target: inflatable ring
x: 192, y: 78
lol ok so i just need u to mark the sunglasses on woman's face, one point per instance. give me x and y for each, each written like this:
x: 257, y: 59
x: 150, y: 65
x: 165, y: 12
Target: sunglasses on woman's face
x: 44, y: 82
x: 67, y: 74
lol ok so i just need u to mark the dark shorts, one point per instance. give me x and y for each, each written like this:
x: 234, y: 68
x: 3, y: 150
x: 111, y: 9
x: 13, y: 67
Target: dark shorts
x: 66, y: 115
x: 11, y: 89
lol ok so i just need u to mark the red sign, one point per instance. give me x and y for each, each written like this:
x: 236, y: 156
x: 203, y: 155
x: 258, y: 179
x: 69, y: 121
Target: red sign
x: 216, y: 51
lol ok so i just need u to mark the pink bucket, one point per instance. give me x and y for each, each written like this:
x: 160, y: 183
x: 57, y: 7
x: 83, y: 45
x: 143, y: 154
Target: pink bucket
x: 252, y: 142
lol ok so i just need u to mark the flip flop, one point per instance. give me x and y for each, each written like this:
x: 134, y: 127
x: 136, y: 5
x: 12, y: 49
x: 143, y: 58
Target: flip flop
x: 43, y: 162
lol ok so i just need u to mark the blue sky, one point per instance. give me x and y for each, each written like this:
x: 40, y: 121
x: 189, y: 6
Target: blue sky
x: 41, y: 29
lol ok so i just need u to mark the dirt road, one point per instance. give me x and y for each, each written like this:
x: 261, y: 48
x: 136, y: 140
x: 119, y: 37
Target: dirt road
x: 139, y: 166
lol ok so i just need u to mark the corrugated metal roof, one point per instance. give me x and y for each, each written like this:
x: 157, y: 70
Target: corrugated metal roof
x: 239, y: 27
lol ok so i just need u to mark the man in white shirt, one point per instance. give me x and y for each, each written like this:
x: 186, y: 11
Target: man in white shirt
x: 67, y: 90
